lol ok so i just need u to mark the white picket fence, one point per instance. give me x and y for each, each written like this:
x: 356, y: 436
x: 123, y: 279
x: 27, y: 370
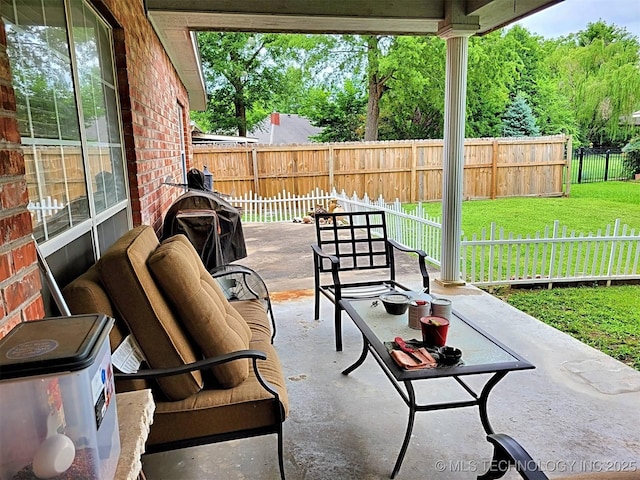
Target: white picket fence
x: 492, y: 258
x: 554, y: 255
x: 45, y: 207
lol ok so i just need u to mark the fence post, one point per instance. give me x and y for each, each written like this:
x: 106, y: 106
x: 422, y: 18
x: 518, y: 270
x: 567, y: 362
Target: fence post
x: 494, y: 170
x: 569, y: 160
x: 580, y: 156
x: 552, y: 260
x: 331, y: 168
x: 413, y: 193
x: 254, y: 158
x: 606, y: 166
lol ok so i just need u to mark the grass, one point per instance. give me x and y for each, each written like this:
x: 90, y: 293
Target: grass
x: 589, y: 207
x: 607, y: 318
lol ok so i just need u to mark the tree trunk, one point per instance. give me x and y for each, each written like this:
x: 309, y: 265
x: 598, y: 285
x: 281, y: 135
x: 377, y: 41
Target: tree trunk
x: 373, y: 113
x: 241, y: 109
x: 376, y: 88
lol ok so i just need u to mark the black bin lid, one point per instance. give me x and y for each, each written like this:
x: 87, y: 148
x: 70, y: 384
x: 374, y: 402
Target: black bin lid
x: 52, y: 345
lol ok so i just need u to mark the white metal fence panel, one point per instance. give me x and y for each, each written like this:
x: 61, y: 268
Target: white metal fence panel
x: 554, y: 255
x: 491, y: 258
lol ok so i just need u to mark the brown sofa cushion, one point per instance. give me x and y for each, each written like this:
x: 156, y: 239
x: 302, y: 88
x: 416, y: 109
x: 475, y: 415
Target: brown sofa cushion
x: 204, y: 311
x: 140, y: 303
x: 219, y: 411
x: 236, y: 320
x: 86, y: 294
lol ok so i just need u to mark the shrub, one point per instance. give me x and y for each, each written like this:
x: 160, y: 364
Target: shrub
x: 631, y: 157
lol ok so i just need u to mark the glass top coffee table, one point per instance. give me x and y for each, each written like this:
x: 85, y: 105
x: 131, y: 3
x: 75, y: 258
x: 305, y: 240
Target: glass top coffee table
x: 481, y: 354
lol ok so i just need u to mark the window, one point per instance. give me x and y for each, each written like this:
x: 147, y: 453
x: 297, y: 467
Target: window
x: 67, y: 105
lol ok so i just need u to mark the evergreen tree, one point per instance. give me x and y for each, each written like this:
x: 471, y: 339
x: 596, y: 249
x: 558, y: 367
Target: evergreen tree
x: 518, y: 119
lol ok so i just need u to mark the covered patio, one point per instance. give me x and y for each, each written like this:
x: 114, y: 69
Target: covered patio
x: 576, y: 412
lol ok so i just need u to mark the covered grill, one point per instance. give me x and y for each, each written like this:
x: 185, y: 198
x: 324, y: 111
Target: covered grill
x: 210, y: 223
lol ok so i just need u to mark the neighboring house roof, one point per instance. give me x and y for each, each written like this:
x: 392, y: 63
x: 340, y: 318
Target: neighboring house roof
x: 198, y: 136
x: 284, y: 128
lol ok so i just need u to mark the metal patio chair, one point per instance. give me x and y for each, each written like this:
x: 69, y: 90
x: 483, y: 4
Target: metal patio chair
x: 354, y: 258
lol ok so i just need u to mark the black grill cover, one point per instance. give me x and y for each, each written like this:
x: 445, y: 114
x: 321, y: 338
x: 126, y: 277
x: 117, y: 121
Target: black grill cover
x: 210, y: 223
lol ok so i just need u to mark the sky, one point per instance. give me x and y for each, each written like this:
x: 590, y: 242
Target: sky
x: 572, y: 16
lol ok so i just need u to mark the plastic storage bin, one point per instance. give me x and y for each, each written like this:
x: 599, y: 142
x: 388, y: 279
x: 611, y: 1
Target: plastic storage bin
x: 57, y: 400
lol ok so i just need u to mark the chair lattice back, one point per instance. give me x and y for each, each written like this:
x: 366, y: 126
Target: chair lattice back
x: 358, y: 239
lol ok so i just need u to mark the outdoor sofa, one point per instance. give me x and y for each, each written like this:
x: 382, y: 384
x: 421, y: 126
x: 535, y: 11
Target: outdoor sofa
x: 215, y: 374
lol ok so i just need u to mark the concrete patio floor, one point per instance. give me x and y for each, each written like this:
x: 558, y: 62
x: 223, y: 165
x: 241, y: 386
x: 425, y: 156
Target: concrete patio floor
x: 578, y: 411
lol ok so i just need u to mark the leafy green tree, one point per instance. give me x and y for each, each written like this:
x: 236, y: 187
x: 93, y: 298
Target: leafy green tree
x: 597, y: 71
x: 518, y: 119
x: 413, y: 105
x: 242, y: 71
x: 537, y: 83
x: 341, y: 115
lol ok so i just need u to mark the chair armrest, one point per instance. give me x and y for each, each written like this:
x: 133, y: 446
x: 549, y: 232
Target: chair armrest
x: 421, y: 261
x: 402, y: 248
x: 508, y: 452
x: 254, y: 355
x: 190, y: 367
x: 318, y: 251
x: 318, y: 255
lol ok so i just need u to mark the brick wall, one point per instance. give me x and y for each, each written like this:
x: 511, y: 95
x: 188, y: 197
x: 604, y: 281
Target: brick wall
x: 150, y: 92
x: 19, y: 276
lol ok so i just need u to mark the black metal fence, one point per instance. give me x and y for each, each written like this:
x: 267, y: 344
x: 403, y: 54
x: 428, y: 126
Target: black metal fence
x: 598, y: 165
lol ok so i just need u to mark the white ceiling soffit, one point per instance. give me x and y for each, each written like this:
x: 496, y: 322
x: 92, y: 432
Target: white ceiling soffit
x: 175, y: 20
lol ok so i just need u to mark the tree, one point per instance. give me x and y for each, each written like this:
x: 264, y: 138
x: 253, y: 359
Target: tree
x: 242, y: 71
x: 413, y: 104
x: 553, y: 112
x: 341, y: 116
x: 597, y: 71
x: 518, y: 119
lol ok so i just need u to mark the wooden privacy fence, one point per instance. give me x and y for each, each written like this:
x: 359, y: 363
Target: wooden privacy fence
x: 410, y: 171
x: 492, y: 258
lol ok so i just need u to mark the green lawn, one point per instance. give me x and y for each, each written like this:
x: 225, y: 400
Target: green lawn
x: 589, y: 207
x: 607, y: 318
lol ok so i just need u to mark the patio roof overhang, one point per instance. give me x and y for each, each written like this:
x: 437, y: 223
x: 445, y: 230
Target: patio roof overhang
x: 455, y: 21
x: 175, y: 22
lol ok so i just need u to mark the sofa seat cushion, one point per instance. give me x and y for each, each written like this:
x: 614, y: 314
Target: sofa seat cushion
x: 142, y: 305
x: 254, y: 313
x: 218, y: 411
x: 205, y: 313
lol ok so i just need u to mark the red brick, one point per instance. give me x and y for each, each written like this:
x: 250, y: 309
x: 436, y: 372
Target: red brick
x: 15, y: 227
x: 7, y: 325
x: 5, y: 266
x: 9, y: 130
x: 15, y: 294
x: 24, y: 256
x: 14, y: 195
x: 35, y: 310
x: 11, y: 162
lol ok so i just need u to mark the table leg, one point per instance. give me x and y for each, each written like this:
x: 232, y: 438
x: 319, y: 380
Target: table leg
x: 484, y: 397
x: 360, y: 361
x: 407, y: 435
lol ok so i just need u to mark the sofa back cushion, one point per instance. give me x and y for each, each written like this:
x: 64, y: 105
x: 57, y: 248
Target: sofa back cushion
x: 86, y: 294
x: 213, y: 323
x: 124, y: 273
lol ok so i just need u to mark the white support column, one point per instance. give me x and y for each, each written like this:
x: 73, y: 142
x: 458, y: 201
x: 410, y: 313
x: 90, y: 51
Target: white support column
x: 453, y: 168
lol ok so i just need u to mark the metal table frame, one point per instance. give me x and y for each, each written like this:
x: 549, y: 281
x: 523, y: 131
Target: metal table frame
x: 398, y: 376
